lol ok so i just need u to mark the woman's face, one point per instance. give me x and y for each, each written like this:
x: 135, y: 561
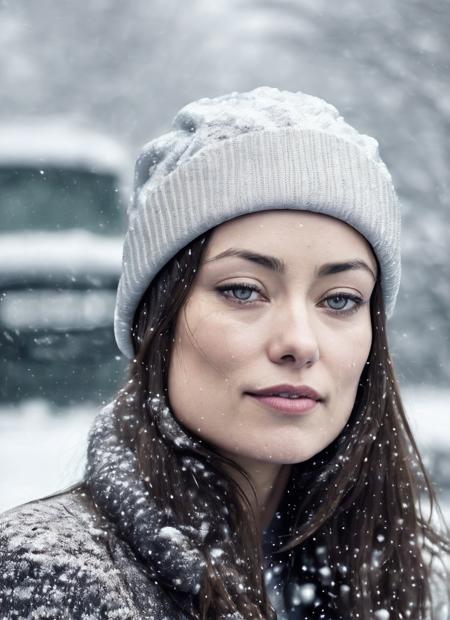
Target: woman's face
x: 304, y: 323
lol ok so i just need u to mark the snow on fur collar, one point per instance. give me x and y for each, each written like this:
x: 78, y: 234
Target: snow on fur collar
x: 121, y: 493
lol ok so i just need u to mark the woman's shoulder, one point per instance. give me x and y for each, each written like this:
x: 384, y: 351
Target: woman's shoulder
x: 55, y: 562
x: 56, y: 530
x: 60, y: 521
x: 53, y: 530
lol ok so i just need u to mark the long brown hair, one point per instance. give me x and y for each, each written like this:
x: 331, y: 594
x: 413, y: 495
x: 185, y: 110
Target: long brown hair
x: 362, y: 499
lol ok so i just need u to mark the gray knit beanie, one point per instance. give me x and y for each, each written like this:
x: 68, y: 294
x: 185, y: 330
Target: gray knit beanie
x: 247, y: 152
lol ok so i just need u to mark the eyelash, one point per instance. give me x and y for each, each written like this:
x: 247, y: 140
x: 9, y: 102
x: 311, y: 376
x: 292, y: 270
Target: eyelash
x: 237, y: 286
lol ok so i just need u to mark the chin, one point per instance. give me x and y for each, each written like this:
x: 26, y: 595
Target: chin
x: 294, y: 456
x: 284, y: 455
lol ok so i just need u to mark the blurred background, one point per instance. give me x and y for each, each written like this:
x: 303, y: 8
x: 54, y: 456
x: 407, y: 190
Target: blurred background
x: 84, y: 85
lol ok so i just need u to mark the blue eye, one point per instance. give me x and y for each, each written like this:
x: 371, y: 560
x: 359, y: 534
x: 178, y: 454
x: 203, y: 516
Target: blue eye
x: 237, y: 289
x: 343, y: 303
x: 339, y: 303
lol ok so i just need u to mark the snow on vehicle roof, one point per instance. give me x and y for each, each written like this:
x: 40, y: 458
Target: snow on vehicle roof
x: 56, y: 143
x: 75, y: 251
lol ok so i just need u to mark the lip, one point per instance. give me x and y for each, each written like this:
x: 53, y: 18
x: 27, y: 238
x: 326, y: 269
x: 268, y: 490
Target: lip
x: 309, y: 401
x: 302, y: 390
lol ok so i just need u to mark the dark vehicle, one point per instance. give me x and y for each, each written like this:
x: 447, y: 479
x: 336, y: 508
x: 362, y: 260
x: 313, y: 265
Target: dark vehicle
x: 61, y: 228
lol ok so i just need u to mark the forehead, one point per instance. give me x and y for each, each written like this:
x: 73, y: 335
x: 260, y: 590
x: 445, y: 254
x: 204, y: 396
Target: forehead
x: 293, y: 235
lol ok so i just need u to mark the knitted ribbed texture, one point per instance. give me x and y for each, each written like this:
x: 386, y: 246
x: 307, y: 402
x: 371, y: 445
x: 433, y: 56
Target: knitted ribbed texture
x: 323, y: 170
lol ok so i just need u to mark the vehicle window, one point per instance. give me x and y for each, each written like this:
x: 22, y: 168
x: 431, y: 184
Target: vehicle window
x: 53, y: 199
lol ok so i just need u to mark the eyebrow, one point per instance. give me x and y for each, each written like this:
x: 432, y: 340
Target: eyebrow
x: 270, y: 262
x: 279, y: 266
x: 331, y: 268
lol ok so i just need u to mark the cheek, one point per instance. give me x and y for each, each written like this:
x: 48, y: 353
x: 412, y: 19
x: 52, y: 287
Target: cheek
x: 209, y: 353
x: 343, y: 364
x: 210, y: 344
x: 348, y: 360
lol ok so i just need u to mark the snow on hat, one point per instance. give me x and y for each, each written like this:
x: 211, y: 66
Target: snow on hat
x: 246, y: 152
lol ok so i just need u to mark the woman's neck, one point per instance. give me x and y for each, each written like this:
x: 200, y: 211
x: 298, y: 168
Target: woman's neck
x: 271, y: 492
x: 269, y: 481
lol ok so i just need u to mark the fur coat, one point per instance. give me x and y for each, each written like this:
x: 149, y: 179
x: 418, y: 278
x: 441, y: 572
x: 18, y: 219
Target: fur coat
x: 61, y: 559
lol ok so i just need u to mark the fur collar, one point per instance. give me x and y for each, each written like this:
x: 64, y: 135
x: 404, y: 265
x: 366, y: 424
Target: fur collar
x: 117, y: 488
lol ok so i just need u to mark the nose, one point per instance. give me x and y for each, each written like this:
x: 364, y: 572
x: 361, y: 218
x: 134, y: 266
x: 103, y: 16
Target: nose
x: 294, y: 339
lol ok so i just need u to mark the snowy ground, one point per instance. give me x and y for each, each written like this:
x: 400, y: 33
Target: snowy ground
x: 41, y: 453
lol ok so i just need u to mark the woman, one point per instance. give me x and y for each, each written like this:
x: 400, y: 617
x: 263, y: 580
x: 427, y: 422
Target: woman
x: 258, y: 462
